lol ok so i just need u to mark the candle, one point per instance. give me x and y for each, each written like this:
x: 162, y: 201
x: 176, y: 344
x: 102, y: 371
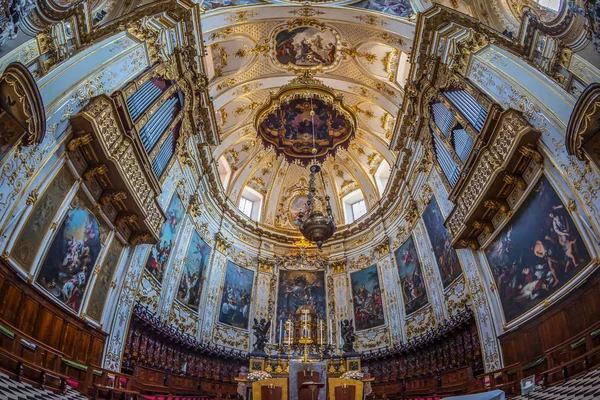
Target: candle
x: 280, y: 329
x: 331, y: 331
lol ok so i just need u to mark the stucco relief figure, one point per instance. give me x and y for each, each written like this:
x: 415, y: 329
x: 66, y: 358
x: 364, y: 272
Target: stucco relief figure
x: 537, y: 252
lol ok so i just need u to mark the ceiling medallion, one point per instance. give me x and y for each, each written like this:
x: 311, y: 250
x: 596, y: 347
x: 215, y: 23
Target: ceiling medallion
x: 306, y: 44
x: 285, y: 122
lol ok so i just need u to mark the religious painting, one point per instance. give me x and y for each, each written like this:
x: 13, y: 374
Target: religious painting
x: 159, y: 256
x: 101, y: 287
x: 367, y: 298
x: 71, y: 258
x: 306, y: 47
x: 214, y: 4
x: 196, y: 261
x: 297, y: 208
x: 399, y: 8
x: 27, y: 244
x: 297, y: 288
x: 446, y: 257
x: 537, y: 252
x: 235, y: 301
x: 411, y: 276
x: 294, y: 132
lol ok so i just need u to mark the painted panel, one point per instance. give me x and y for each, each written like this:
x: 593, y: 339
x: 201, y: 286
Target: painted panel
x: 411, y: 276
x: 235, y: 300
x: 446, y: 257
x: 26, y: 245
x: 196, y: 261
x: 297, y: 288
x: 101, y: 288
x: 212, y: 5
x: 367, y: 298
x: 400, y: 8
x: 71, y: 258
x: 537, y: 252
x: 159, y: 256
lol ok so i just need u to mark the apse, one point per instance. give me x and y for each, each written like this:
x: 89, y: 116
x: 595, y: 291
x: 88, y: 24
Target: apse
x: 283, y: 200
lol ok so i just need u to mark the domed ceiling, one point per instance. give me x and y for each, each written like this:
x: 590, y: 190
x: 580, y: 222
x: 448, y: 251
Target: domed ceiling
x: 270, y: 65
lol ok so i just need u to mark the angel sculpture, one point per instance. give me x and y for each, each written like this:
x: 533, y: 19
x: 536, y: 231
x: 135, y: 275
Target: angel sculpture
x: 348, y: 336
x: 260, y: 333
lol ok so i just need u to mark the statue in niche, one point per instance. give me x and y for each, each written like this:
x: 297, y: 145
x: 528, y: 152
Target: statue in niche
x: 260, y: 333
x: 348, y: 336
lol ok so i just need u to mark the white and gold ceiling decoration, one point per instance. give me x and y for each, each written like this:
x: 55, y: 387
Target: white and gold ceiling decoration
x: 255, y: 51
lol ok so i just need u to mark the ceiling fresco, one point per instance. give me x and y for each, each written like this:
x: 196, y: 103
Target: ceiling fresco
x: 305, y: 121
x: 266, y: 64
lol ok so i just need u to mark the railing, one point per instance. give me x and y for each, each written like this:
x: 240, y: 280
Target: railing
x: 27, y: 360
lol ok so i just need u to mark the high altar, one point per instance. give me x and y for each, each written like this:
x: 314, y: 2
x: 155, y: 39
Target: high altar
x: 302, y: 362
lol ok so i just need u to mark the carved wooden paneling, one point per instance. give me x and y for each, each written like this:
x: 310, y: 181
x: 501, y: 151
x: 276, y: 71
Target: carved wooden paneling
x: 28, y: 312
x: 564, y: 320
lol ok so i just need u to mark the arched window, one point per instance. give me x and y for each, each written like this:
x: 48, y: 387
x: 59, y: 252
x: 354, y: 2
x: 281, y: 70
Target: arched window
x: 354, y: 206
x: 382, y: 176
x: 224, y: 171
x: 251, y: 203
x: 551, y: 4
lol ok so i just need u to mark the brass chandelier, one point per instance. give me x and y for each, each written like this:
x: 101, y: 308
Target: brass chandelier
x: 314, y: 225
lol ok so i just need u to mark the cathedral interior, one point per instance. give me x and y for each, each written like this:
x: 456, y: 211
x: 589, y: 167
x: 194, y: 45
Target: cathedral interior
x: 278, y: 199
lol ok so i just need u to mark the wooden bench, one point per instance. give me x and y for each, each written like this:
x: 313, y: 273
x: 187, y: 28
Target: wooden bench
x: 23, y: 370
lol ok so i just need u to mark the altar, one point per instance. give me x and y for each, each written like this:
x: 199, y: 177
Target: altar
x: 302, y: 363
x: 300, y: 372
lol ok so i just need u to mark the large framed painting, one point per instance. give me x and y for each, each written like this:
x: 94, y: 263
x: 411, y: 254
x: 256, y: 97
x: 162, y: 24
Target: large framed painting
x: 367, y: 299
x: 71, y: 257
x: 196, y: 261
x: 159, y: 256
x: 446, y: 257
x: 297, y: 288
x: 411, y: 276
x: 101, y: 287
x: 235, y: 300
x: 537, y: 252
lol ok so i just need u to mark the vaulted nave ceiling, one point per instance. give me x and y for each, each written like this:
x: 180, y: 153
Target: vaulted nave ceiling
x: 367, y: 68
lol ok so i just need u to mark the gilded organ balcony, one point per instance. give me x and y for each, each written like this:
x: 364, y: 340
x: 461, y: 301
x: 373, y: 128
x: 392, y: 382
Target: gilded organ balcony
x: 115, y: 171
x: 490, y: 176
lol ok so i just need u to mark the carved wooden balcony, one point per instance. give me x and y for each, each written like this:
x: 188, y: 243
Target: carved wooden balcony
x: 492, y: 175
x: 116, y: 172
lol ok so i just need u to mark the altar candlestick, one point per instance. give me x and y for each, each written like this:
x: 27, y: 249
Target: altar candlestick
x: 280, y: 329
